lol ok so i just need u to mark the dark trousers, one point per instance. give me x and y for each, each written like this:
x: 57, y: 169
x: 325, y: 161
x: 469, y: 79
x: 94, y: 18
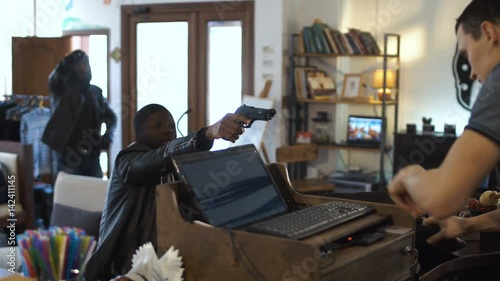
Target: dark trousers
x: 80, y: 164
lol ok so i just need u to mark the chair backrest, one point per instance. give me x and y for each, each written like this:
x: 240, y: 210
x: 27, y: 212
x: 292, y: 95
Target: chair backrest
x: 296, y: 153
x: 18, y: 158
x: 300, y: 154
x: 82, y: 192
x: 78, y: 202
x: 9, y: 160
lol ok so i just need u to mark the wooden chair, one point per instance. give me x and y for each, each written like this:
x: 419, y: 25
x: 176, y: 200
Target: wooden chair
x: 303, y: 153
x: 19, y: 160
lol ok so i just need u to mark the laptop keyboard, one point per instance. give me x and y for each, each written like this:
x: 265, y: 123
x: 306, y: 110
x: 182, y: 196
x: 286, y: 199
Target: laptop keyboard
x: 308, y: 221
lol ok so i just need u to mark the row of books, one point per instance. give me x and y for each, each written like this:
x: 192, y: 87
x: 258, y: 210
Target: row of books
x: 322, y: 39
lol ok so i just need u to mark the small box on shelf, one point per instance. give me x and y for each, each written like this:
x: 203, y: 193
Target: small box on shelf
x: 303, y: 137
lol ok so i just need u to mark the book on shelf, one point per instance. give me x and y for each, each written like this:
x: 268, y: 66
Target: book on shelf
x: 309, y: 42
x: 356, y: 49
x: 337, y: 37
x: 356, y: 36
x: 370, y: 42
x: 321, y: 38
x: 301, y: 45
x: 342, y: 42
x: 301, y: 88
x: 331, y: 41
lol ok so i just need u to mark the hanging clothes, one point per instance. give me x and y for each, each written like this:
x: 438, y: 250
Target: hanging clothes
x: 33, y: 124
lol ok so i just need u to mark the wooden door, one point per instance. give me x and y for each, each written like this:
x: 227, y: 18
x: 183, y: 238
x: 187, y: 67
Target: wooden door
x: 178, y: 75
x: 33, y: 59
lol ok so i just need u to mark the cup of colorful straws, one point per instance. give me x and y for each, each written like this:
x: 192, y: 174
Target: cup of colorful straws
x: 57, y: 253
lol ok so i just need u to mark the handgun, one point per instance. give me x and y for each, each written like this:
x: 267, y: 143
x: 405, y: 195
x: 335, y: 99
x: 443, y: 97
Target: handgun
x: 255, y: 113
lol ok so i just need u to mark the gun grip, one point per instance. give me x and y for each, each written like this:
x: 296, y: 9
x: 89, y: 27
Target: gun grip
x: 244, y: 125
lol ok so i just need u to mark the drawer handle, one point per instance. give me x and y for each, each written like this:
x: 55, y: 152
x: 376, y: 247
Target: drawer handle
x: 410, y: 251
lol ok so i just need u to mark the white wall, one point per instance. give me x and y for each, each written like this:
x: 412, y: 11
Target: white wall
x: 268, y: 65
x: 427, y: 48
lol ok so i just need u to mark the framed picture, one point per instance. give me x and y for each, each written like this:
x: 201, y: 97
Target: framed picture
x: 352, y: 86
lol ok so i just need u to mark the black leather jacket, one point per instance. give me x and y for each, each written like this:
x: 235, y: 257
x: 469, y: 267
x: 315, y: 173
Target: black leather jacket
x: 68, y: 108
x: 129, y: 217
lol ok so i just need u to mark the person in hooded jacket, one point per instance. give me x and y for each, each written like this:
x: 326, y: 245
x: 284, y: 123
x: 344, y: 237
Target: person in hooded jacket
x: 129, y: 217
x: 78, y: 110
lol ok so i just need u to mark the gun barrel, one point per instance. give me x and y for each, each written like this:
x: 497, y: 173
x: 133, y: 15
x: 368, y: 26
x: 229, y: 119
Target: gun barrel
x: 271, y: 112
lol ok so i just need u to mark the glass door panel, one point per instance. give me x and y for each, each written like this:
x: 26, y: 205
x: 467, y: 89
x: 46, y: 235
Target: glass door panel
x: 98, y: 60
x: 162, y: 68
x: 224, y: 78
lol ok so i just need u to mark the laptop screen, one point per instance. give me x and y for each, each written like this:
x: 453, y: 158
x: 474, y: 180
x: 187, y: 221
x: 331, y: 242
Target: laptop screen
x: 232, y: 187
x: 364, y: 129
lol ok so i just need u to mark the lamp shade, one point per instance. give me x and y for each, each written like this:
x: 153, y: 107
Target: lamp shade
x: 378, y: 79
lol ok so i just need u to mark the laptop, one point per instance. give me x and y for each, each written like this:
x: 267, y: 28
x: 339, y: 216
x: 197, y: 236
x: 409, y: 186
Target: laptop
x: 233, y: 189
x: 364, y: 131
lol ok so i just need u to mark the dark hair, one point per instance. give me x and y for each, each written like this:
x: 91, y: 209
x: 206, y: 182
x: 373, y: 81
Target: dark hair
x: 75, y: 57
x: 66, y: 68
x: 144, y: 113
x: 476, y: 13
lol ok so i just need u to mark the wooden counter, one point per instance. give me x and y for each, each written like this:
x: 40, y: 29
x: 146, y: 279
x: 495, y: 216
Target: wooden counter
x: 212, y: 253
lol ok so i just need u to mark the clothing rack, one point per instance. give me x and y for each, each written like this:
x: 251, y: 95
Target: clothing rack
x: 21, y: 96
x: 31, y: 99
x: 25, y: 103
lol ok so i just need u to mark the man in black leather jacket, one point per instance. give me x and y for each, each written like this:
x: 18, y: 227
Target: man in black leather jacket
x: 129, y: 216
x: 78, y: 111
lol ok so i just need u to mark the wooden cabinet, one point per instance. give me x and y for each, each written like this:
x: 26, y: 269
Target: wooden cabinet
x: 427, y: 149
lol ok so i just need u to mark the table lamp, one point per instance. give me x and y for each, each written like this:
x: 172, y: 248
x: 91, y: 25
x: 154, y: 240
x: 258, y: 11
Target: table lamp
x: 378, y: 82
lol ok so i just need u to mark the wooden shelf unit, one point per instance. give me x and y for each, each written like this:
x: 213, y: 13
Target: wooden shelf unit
x: 344, y: 147
x: 334, y: 100
x: 344, y: 55
x: 299, y: 107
